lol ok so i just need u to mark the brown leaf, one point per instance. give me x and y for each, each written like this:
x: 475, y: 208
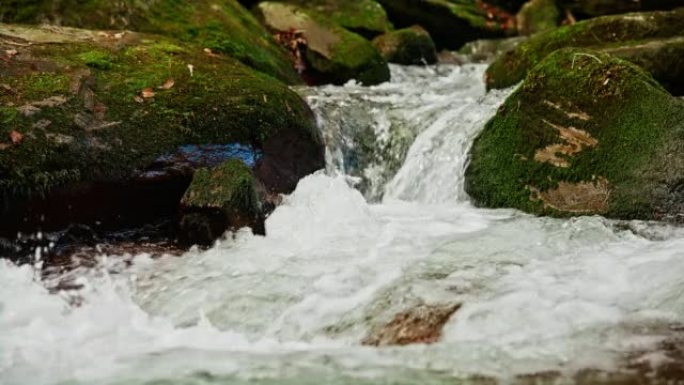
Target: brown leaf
x: 4, y: 146
x: 16, y: 137
x: 11, y: 53
x: 138, y: 99
x: 210, y: 53
x: 147, y: 93
x: 168, y: 84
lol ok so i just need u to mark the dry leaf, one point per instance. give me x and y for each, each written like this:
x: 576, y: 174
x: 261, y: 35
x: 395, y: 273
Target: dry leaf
x: 147, y: 93
x: 138, y: 99
x: 210, y: 53
x: 4, y: 146
x: 168, y: 84
x: 11, y: 53
x: 119, y: 35
x: 16, y: 137
x: 191, y: 68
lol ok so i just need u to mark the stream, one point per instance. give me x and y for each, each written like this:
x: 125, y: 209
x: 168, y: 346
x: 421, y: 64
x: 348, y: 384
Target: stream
x: 386, y: 227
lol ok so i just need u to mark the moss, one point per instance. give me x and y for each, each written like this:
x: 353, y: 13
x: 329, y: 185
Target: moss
x: 229, y: 186
x: 407, y: 46
x: 97, y: 59
x: 366, y: 17
x: 616, y: 103
x: 511, y: 67
x: 537, y: 16
x: 333, y: 53
x: 100, y: 129
x: 221, y: 25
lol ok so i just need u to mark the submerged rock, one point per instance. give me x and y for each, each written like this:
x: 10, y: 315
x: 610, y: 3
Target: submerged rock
x: 223, y: 26
x: 586, y: 133
x: 332, y: 53
x: 452, y: 23
x: 407, y: 46
x: 649, y: 30
x: 86, y: 117
x: 420, y: 325
x: 219, y: 199
x: 537, y: 16
x: 365, y: 17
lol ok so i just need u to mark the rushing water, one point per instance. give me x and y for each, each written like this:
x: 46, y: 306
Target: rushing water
x: 538, y: 294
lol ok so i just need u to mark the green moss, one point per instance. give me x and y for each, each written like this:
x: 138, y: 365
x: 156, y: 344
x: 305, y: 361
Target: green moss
x: 229, y: 186
x: 512, y: 66
x: 407, y: 46
x: 630, y: 116
x: 97, y: 59
x: 366, y: 17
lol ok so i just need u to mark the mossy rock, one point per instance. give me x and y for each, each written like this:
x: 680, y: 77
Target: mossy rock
x: 223, y: 26
x: 486, y: 50
x: 586, y: 133
x: 219, y: 199
x: 365, y: 17
x: 537, y: 16
x: 606, y: 32
x: 451, y: 23
x: 83, y: 109
x: 593, y: 8
x: 407, y: 46
x: 333, y: 54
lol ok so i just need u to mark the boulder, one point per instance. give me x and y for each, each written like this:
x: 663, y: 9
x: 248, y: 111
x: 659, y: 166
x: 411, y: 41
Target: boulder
x: 486, y: 50
x: 90, y: 121
x: 223, y: 26
x: 607, y: 33
x: 452, y: 23
x: 419, y: 325
x: 365, y: 17
x: 219, y: 199
x: 586, y: 133
x: 537, y: 16
x: 407, y: 46
x: 332, y: 54
x: 593, y: 8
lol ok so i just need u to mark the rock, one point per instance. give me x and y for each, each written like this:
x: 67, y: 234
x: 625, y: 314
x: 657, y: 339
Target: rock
x: 593, y: 8
x: 407, y: 46
x: 92, y: 142
x: 451, y: 23
x: 419, y: 325
x: 586, y: 133
x: 537, y: 16
x: 223, y: 26
x: 219, y: 199
x: 485, y: 50
x: 365, y: 17
x: 332, y: 54
x: 603, y: 33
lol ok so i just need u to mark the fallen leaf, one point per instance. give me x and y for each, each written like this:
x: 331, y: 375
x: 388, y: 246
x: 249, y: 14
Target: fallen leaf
x: 11, y: 53
x: 138, y: 99
x: 168, y: 84
x: 119, y: 35
x: 4, y: 146
x: 16, y: 137
x: 147, y: 93
x: 210, y: 53
x: 191, y: 68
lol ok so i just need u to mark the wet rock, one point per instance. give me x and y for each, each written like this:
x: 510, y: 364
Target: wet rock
x: 537, y: 16
x: 153, y: 96
x: 223, y: 26
x: 419, y: 325
x: 586, y: 133
x: 365, y: 17
x: 407, y: 46
x: 485, y: 50
x: 593, y: 8
x: 332, y: 53
x: 219, y: 199
x: 452, y: 23
x: 645, y: 32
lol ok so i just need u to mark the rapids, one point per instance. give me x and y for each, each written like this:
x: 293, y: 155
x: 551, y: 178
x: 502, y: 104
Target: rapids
x: 386, y: 227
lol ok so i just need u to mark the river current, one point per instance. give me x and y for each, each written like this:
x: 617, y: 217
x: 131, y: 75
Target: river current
x: 386, y: 227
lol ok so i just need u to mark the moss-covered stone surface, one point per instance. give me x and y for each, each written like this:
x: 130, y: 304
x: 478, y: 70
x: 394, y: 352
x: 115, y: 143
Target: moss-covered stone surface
x: 586, y: 133
x: 223, y: 26
x: 608, y: 32
x: 407, y: 46
x: 593, y: 8
x: 80, y: 107
x: 333, y: 54
x: 365, y: 17
x: 537, y: 16
x: 452, y: 23
x: 219, y: 199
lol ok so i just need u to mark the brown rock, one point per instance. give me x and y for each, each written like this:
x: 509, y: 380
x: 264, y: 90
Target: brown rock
x: 419, y: 325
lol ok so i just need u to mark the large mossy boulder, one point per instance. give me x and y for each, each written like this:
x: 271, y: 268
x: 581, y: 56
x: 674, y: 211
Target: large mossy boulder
x: 407, y: 46
x: 365, y: 17
x: 332, y: 53
x: 84, y: 115
x: 586, y: 133
x: 219, y: 199
x: 537, y: 16
x: 650, y: 30
x: 451, y: 23
x: 223, y: 26
x: 593, y: 8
